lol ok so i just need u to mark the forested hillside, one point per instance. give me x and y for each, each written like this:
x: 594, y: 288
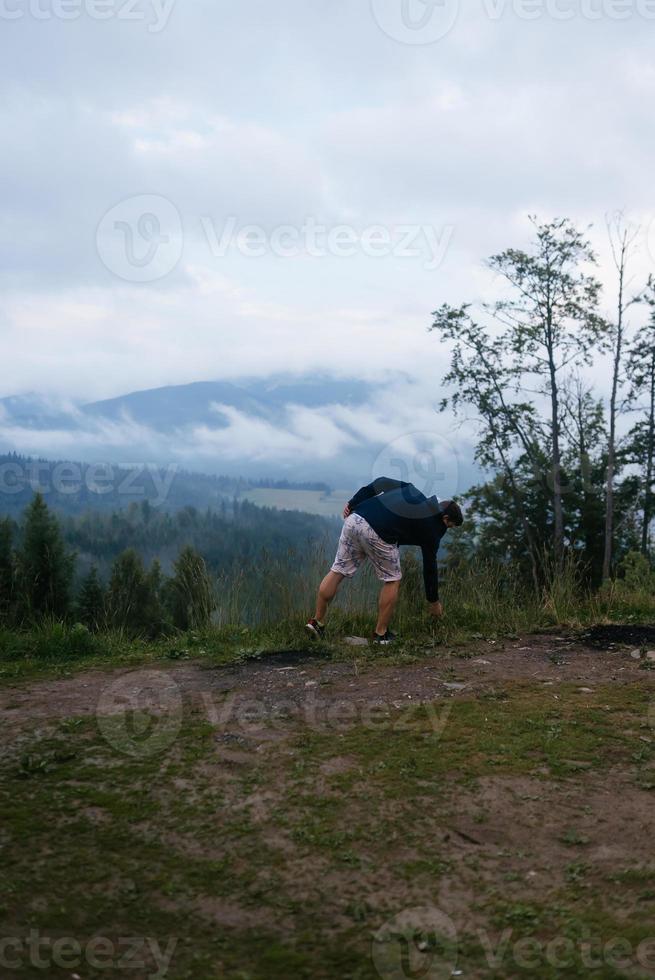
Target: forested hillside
x: 71, y: 487
x: 147, y: 571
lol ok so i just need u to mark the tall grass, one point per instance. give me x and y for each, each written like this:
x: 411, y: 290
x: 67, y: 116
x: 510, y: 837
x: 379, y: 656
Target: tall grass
x: 264, y: 604
x: 52, y: 640
x: 479, y: 597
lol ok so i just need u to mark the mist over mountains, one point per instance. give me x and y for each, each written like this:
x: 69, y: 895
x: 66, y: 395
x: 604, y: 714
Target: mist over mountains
x: 295, y: 427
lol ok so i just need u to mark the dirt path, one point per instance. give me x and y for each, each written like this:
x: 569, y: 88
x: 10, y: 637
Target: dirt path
x: 517, y: 803
x: 284, y: 678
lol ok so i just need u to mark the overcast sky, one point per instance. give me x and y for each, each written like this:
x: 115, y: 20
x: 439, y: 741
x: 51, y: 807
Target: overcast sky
x: 141, y: 138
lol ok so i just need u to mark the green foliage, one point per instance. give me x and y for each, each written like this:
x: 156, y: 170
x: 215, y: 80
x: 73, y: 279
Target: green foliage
x: 227, y: 538
x: 91, y: 601
x: 126, y: 487
x: 549, y: 459
x: 52, y: 641
x: 45, y: 569
x: 133, y: 596
x: 7, y: 571
x: 637, y: 574
x: 639, y: 447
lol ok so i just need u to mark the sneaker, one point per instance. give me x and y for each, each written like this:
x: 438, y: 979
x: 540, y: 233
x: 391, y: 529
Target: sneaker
x: 315, y: 629
x: 384, y: 640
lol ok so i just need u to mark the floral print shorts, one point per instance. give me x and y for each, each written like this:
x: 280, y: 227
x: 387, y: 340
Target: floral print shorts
x: 358, y: 542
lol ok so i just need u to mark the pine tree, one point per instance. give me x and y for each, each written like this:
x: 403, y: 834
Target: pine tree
x: 91, y: 601
x: 7, y: 571
x: 45, y: 569
x: 133, y: 596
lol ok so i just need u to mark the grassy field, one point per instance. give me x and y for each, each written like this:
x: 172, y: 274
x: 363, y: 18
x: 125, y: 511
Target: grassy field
x: 309, y: 501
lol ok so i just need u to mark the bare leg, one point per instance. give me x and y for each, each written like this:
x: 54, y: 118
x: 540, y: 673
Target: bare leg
x: 387, y: 604
x: 326, y: 593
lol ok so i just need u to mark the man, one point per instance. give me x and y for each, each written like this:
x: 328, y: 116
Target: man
x: 380, y: 517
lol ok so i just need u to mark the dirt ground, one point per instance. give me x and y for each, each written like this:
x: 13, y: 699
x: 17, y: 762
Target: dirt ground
x: 277, y: 679
x: 517, y: 838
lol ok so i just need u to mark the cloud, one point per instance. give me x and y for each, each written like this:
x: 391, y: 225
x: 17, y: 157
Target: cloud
x: 398, y: 434
x: 272, y: 115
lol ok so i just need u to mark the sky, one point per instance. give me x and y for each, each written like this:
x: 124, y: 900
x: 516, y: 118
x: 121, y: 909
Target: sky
x: 197, y: 189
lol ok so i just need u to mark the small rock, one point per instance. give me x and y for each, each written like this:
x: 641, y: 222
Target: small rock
x: 455, y: 686
x: 479, y: 661
x: 356, y: 641
x: 635, y: 654
x: 311, y: 683
x: 585, y: 690
x: 650, y: 655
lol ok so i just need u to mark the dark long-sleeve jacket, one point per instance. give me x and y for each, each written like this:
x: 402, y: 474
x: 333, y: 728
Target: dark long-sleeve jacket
x: 401, y: 514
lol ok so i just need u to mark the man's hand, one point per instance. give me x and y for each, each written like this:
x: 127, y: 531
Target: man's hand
x: 346, y: 511
x: 436, y: 609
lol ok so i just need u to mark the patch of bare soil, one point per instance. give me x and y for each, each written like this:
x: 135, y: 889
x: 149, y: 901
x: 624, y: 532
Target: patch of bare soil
x: 513, y: 839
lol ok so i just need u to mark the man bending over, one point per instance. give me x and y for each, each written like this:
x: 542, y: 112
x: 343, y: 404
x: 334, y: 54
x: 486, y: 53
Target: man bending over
x: 380, y: 517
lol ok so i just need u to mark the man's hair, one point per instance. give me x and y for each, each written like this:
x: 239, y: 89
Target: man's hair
x: 452, y: 510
